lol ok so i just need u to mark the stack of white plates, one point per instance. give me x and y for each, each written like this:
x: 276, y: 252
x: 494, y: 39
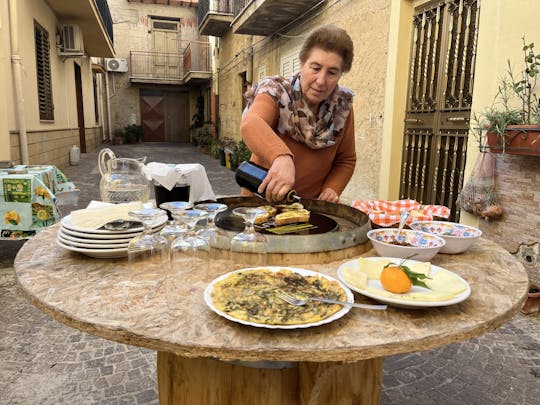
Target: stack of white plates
x: 100, y: 243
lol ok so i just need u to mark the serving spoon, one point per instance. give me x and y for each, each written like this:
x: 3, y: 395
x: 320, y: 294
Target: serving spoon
x: 404, y: 217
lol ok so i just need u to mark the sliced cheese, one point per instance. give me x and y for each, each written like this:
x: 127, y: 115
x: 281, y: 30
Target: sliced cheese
x: 372, y: 267
x: 354, y: 277
x: 444, y: 282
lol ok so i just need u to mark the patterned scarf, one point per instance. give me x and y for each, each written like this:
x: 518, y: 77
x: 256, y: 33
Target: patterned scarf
x: 295, y: 117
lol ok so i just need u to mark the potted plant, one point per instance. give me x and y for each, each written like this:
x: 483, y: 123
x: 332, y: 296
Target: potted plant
x: 204, y: 139
x: 215, y: 148
x: 509, y: 129
x: 118, y: 136
x: 240, y: 153
x: 134, y: 133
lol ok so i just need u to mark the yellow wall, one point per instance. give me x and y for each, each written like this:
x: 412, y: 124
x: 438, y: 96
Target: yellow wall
x: 6, y: 95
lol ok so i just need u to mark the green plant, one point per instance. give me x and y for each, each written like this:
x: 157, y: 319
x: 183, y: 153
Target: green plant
x: 134, y: 132
x: 240, y: 153
x: 204, y: 137
x: 503, y: 111
x: 215, y: 147
x: 118, y: 133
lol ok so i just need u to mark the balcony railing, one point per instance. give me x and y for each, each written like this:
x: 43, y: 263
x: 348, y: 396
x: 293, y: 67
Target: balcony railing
x: 156, y: 66
x: 106, y: 18
x: 214, y: 16
x: 239, y: 6
x: 172, y: 68
x: 197, y: 57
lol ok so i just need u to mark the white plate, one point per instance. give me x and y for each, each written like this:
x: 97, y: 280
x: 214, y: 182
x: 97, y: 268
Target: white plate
x: 96, y: 242
x: 97, y: 236
x: 90, y: 245
x: 303, y: 272
x: 68, y: 223
x: 402, y: 303
x: 97, y: 253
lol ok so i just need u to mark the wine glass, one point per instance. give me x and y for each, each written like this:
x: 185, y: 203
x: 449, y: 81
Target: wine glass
x: 177, y: 227
x: 249, y: 246
x: 188, y: 252
x: 147, y: 253
x: 211, y: 232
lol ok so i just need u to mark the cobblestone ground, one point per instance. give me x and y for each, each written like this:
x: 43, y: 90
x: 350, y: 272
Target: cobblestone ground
x: 44, y: 362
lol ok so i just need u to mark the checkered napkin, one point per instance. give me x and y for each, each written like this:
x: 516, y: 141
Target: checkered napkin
x: 388, y: 213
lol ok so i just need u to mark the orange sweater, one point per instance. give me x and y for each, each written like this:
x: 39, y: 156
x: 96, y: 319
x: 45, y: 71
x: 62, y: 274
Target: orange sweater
x: 316, y: 169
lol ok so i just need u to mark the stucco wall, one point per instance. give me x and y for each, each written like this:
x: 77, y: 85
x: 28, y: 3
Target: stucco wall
x: 132, y: 32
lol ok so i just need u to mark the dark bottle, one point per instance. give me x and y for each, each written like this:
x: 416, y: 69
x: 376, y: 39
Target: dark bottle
x: 250, y: 175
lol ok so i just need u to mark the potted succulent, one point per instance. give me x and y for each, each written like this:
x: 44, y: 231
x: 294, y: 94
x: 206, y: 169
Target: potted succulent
x: 510, y: 129
x: 240, y: 153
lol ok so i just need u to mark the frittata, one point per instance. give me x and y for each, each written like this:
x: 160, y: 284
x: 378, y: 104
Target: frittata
x: 250, y: 296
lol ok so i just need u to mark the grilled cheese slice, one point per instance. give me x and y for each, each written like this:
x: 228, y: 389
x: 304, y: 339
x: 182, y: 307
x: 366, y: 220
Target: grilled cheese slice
x: 291, y: 217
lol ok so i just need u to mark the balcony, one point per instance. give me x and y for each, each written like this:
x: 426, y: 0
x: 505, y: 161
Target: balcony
x: 268, y: 16
x: 197, y: 63
x: 191, y: 66
x: 215, y: 17
x: 93, y: 18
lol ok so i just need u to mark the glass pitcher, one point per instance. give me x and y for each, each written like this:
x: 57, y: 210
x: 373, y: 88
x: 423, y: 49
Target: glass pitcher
x: 122, y: 179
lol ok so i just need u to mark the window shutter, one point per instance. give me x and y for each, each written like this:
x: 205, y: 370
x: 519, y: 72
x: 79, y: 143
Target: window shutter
x: 43, y: 69
x: 290, y: 64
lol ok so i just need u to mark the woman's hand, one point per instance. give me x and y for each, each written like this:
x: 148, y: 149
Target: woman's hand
x: 329, y: 195
x: 279, y: 180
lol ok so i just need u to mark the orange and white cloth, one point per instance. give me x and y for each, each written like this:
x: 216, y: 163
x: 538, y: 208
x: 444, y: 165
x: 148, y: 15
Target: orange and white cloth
x: 388, y: 213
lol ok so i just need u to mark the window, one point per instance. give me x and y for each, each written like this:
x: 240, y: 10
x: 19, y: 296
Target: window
x: 262, y: 72
x: 43, y: 68
x: 290, y: 64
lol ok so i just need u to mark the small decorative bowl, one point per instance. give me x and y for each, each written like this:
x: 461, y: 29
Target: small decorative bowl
x: 458, y: 237
x: 417, y: 245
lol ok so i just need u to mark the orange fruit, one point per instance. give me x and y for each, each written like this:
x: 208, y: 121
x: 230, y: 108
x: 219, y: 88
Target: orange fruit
x: 394, y: 279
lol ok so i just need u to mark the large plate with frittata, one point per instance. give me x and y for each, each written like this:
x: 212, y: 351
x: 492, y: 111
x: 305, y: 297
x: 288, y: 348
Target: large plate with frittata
x: 249, y: 296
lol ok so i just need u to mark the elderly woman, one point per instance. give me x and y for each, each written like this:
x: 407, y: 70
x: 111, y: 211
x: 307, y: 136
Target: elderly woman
x: 302, y: 129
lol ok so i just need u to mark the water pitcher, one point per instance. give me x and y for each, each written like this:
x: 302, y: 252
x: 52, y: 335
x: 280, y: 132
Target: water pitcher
x: 122, y: 179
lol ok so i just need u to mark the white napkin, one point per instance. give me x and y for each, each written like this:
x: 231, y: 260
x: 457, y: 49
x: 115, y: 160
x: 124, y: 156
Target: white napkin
x: 193, y: 174
x: 98, y: 214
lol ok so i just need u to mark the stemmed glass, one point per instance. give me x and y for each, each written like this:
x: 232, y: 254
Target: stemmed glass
x: 188, y: 252
x: 147, y: 255
x: 177, y: 227
x: 211, y: 232
x: 248, y: 246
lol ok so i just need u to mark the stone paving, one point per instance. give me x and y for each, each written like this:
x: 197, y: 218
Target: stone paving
x: 45, y: 362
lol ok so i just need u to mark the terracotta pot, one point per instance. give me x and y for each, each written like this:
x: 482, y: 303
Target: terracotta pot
x: 532, y: 303
x: 519, y: 139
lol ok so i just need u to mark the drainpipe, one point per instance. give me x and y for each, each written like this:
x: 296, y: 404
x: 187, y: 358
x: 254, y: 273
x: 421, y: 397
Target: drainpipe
x: 16, y: 64
x: 249, y: 72
x: 108, y: 105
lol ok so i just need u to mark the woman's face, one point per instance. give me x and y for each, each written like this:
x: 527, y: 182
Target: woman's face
x: 319, y: 76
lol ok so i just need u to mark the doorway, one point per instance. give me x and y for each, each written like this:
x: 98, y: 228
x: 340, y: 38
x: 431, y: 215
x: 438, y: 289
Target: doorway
x: 164, y: 115
x: 441, y: 76
x: 80, y: 106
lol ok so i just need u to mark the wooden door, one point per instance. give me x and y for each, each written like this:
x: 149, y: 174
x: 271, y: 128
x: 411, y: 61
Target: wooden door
x: 166, y: 48
x: 80, y: 107
x: 177, y: 117
x: 152, y: 115
x: 439, y: 101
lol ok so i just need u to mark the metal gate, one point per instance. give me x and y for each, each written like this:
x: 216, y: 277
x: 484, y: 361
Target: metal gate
x: 441, y: 77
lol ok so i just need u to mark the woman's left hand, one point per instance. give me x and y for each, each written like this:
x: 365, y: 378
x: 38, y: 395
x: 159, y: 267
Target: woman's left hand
x: 329, y: 195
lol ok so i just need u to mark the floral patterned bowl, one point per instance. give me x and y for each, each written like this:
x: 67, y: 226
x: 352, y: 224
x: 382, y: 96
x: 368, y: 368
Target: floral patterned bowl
x: 458, y: 237
x: 410, y: 244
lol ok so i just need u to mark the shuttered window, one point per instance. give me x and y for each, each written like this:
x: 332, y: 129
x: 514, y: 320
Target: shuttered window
x: 43, y: 68
x: 290, y: 64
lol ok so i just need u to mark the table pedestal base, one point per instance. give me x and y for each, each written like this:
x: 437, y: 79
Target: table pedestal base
x: 184, y: 380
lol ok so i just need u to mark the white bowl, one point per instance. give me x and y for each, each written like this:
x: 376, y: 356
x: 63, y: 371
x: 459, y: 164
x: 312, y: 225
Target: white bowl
x: 458, y: 237
x: 424, y: 245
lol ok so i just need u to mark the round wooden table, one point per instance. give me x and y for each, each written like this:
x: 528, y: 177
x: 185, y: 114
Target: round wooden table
x: 206, y: 359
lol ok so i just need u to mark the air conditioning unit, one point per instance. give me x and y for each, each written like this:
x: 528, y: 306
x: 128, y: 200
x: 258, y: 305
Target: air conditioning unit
x: 71, y: 41
x: 116, y: 65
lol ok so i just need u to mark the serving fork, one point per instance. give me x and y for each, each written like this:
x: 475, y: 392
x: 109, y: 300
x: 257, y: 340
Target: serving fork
x: 299, y: 302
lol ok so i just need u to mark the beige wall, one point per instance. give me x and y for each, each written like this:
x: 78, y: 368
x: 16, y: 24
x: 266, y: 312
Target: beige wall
x: 132, y: 33
x: 45, y: 145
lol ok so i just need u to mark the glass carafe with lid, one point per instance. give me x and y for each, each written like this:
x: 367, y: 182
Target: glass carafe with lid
x: 122, y: 179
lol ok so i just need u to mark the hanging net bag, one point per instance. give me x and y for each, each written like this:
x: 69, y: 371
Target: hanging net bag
x: 478, y: 195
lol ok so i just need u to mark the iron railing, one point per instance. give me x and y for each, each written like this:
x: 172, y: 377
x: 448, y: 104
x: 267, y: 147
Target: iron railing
x: 161, y: 66
x: 239, y: 6
x: 106, y: 18
x: 156, y: 65
x: 206, y: 7
x: 197, y: 57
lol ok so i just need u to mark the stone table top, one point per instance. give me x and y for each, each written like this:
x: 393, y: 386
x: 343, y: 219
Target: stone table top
x: 90, y: 294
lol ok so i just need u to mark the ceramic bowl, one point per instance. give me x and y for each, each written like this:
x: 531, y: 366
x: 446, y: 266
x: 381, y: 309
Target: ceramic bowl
x: 424, y: 245
x: 458, y: 237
